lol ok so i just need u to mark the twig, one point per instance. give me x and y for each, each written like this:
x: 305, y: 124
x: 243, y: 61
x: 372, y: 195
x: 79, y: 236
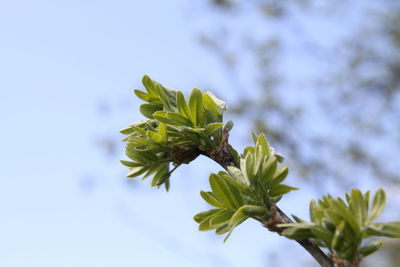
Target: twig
x: 223, y: 156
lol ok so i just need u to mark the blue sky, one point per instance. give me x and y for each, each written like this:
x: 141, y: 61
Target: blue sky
x: 62, y: 202
x: 59, y: 60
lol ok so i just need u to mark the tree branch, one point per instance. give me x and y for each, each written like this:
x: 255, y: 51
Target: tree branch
x: 223, y: 156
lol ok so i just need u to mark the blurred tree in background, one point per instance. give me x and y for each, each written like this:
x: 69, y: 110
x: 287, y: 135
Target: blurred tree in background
x: 287, y: 61
x: 322, y: 79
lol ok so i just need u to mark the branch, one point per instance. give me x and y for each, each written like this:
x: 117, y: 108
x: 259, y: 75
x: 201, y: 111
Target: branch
x: 223, y: 156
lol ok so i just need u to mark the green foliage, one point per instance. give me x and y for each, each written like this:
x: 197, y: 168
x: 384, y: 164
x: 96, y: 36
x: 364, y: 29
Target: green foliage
x: 341, y: 226
x: 248, y: 191
x: 175, y: 132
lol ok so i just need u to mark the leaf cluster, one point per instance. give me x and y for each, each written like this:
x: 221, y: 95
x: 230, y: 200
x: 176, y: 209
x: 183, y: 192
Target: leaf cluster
x: 245, y: 192
x: 342, y: 226
x: 176, y: 130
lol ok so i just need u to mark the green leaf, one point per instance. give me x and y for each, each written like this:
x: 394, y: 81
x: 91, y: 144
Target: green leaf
x: 146, y: 97
x: 137, y: 143
x: 279, y: 157
x: 127, y: 130
x: 281, y: 189
x: 162, y: 132
x: 249, y: 166
x: 366, y: 205
x: 220, y: 104
x: 149, y: 85
x: 254, y: 137
x: 167, y: 185
x: 371, y: 248
x: 136, y: 171
x: 229, y: 234
x: 139, y: 130
x: 314, y: 215
x: 236, y: 185
x: 157, y: 138
x: 262, y: 141
x: 384, y: 229
x: 228, y: 126
x: 211, y: 106
x: 210, y: 199
x: 297, y: 231
x: 258, y: 160
x: 205, y: 214
x: 224, y: 192
x: 378, y: 205
x: 338, y: 236
x: 162, y: 175
x: 357, y: 207
x: 238, y: 175
x: 163, y: 97
x: 322, y: 233
x: 149, y: 109
x: 221, y: 218
x: 153, y: 169
x: 280, y: 175
x: 179, y: 120
x: 268, y: 169
x: 171, y: 96
x: 183, y: 107
x: 223, y: 229
x: 206, y: 225
x: 340, y: 209
x: 196, y: 107
x: 298, y: 219
x: 161, y: 116
x: 130, y: 163
x: 253, y: 210
x: 238, y: 217
x: 164, y: 179
x: 212, y: 127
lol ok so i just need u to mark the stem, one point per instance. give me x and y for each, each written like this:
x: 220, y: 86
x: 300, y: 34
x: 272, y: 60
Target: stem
x: 224, y: 158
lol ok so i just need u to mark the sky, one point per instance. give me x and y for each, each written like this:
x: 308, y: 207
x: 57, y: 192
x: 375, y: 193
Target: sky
x: 67, y: 70
x: 62, y: 202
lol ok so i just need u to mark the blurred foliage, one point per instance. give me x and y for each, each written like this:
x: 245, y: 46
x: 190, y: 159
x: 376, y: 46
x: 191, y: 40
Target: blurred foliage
x: 347, y: 71
x: 287, y: 61
x: 341, y: 226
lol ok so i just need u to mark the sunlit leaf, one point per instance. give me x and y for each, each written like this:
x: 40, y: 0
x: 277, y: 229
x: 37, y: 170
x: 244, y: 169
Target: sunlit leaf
x: 212, y: 127
x: 224, y: 192
x: 384, y: 229
x: 238, y: 175
x: 149, y: 85
x: 357, y: 207
x: 196, y: 107
x: 131, y: 163
x: 281, y: 189
x: 338, y: 235
x: 211, y: 106
x: 205, y: 214
x: 221, y: 218
x: 298, y: 231
x: 378, y: 205
x: 210, y: 199
x: 238, y: 217
x: 136, y: 171
x: 280, y: 175
x: 149, y: 109
x: 371, y: 247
